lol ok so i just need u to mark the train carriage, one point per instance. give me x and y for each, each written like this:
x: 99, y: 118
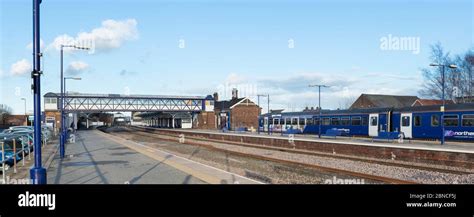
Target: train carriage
x: 420, y: 122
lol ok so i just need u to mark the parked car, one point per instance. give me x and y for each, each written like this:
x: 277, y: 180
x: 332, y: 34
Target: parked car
x: 46, y: 132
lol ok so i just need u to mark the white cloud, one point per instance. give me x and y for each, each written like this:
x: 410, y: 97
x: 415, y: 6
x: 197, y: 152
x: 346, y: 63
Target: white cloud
x: 21, y: 67
x: 77, y: 67
x: 234, y: 79
x: 292, y: 92
x: 30, y: 45
x: 110, y: 35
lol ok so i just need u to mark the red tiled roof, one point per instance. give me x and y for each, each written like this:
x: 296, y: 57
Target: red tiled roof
x: 425, y: 102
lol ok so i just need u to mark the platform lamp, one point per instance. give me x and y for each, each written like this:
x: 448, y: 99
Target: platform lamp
x: 319, y: 101
x: 24, y: 99
x: 37, y: 172
x: 443, y: 80
x: 62, y: 135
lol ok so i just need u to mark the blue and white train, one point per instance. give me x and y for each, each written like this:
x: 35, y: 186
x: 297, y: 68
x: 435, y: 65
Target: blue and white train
x: 419, y: 122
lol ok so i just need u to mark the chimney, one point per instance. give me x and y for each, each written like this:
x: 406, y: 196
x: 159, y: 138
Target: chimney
x: 216, y: 96
x: 235, y: 93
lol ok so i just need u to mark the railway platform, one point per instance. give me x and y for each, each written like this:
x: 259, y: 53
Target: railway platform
x: 98, y: 158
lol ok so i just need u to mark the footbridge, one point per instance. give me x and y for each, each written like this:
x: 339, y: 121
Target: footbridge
x: 81, y: 102
x: 161, y: 110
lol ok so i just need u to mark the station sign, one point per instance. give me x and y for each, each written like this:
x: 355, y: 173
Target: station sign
x: 31, y: 118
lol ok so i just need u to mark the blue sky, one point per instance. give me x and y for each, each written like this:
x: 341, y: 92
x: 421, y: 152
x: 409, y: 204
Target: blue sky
x: 244, y: 44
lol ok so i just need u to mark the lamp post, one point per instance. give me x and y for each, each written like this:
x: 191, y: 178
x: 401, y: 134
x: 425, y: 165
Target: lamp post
x: 259, y: 113
x: 268, y: 109
x: 442, y: 95
x: 37, y: 172
x: 24, y: 99
x: 319, y: 101
x: 62, y: 135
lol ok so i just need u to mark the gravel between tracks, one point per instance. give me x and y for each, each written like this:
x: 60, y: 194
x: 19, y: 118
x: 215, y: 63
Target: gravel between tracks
x: 261, y: 170
x: 416, y: 175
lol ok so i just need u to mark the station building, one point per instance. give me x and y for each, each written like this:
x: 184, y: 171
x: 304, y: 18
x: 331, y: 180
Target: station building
x: 236, y: 113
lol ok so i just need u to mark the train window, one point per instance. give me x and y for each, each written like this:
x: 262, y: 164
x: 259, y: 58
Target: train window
x: 417, y: 121
x: 451, y: 120
x: 374, y: 121
x: 276, y: 121
x: 287, y: 121
x: 309, y: 121
x: 468, y: 120
x: 316, y: 121
x: 356, y: 121
x: 270, y: 121
x: 365, y: 120
x: 434, y: 120
x: 294, y: 121
x: 302, y: 122
x: 334, y: 121
x: 326, y: 121
x: 345, y: 121
x: 405, y: 121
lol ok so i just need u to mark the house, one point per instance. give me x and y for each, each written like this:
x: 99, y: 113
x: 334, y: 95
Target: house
x: 383, y: 101
x: 236, y: 113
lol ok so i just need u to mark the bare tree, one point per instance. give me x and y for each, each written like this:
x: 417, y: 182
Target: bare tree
x: 433, y: 84
x: 5, y: 111
x: 464, y: 76
x: 346, y: 102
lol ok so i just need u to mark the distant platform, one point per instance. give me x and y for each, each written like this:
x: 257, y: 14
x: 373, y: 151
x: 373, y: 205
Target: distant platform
x: 453, y: 154
x: 449, y: 146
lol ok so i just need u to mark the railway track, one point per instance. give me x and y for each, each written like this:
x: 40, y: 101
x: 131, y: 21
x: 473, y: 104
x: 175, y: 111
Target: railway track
x: 201, y: 142
x: 321, y: 154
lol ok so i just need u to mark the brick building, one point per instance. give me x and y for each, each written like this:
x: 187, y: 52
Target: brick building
x: 15, y: 120
x: 236, y: 113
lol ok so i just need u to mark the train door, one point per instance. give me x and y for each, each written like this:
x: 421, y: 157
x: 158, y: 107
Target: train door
x: 373, y: 124
x: 265, y: 124
x: 406, y: 124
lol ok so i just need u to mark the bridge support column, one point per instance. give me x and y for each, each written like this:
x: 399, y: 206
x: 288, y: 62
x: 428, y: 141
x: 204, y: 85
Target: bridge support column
x: 172, y: 122
x: 75, y: 120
